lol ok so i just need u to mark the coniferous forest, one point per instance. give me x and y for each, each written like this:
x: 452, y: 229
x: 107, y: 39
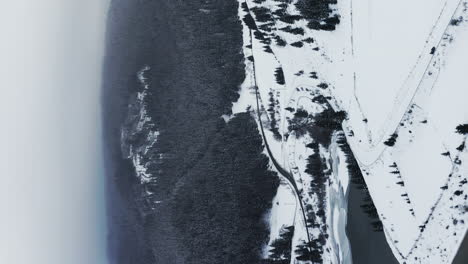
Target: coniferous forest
x: 214, y: 187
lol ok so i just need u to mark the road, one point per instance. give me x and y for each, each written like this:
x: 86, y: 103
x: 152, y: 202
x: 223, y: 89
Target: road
x: 286, y: 174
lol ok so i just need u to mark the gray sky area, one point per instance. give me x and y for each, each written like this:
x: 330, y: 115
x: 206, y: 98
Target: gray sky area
x: 51, y: 170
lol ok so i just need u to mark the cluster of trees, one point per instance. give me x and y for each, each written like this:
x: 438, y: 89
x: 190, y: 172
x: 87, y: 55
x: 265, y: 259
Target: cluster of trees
x: 396, y: 171
x: 272, y: 110
x: 297, y: 44
x: 355, y: 174
x: 311, y: 252
x: 282, y: 246
x: 319, y: 14
x: 293, y: 30
x: 456, y: 21
x: 391, y: 140
x: 300, y: 122
x: 280, y: 41
x: 279, y: 75
x: 462, y: 129
x: 286, y: 18
x: 316, y: 167
x: 248, y: 19
x: 320, y: 126
x: 461, y: 147
x: 262, y: 15
x: 265, y: 15
x: 266, y: 23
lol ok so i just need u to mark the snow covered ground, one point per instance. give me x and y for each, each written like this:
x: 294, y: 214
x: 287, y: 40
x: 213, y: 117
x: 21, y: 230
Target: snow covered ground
x: 397, y: 70
x: 139, y: 135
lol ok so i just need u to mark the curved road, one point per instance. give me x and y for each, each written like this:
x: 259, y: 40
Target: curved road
x: 287, y: 175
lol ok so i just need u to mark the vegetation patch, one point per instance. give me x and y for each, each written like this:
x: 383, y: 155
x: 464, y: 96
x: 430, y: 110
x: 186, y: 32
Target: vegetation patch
x: 319, y: 14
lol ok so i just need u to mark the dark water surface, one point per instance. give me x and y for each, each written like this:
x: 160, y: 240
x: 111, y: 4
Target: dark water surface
x: 367, y: 246
x: 462, y: 255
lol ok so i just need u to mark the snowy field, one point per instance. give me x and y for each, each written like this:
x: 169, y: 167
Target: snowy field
x: 397, y: 70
